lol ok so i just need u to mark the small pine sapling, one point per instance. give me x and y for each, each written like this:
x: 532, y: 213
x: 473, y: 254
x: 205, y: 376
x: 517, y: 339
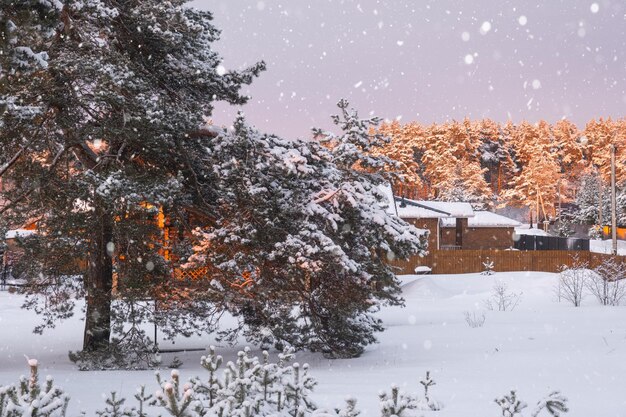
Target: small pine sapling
x: 397, y: 403
x: 428, y: 382
x: 243, y: 378
x: 298, y: 390
x: 349, y: 410
x: 555, y: 404
x: 30, y: 399
x: 175, y: 402
x: 488, y: 266
x: 211, y: 387
x: 510, y: 405
x: 115, y: 407
x: 142, y: 399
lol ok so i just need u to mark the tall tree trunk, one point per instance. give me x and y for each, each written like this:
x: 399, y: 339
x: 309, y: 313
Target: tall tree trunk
x: 99, y: 284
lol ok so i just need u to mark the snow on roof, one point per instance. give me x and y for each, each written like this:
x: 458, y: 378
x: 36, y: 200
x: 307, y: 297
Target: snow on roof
x: 12, y: 234
x: 484, y: 219
x: 388, y: 192
x: 524, y: 230
x: 419, y: 209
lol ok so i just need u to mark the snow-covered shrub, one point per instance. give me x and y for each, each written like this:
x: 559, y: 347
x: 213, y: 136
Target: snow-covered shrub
x: 209, y: 388
x: 115, y: 408
x: 554, y: 403
x: 428, y: 382
x: 572, y: 282
x: 30, y: 399
x: 488, y: 267
x: 608, y: 282
x: 564, y: 228
x: 512, y: 406
x: 396, y: 403
x: 349, y: 410
x: 176, y: 401
x: 595, y: 232
x: 502, y: 299
x: 473, y: 320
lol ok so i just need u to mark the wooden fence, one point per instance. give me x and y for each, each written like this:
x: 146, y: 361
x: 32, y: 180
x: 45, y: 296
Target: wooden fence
x: 468, y: 261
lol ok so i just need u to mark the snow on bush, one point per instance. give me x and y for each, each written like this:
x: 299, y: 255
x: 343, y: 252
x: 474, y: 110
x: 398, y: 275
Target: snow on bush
x: 502, y: 299
x: 473, y: 320
x: 30, y: 398
x: 572, y: 282
x: 244, y: 388
x: 512, y: 406
x: 608, y: 282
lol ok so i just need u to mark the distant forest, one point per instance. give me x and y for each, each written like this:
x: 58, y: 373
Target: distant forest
x: 494, y: 165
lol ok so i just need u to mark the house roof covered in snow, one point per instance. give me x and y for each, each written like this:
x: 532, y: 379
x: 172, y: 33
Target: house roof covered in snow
x: 420, y: 209
x: 484, y: 219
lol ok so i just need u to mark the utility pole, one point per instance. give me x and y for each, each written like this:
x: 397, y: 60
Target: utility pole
x: 613, y: 202
x: 600, y: 210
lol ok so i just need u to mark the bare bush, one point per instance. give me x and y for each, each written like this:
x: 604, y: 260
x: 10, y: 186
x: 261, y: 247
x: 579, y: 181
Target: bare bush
x: 502, y: 299
x: 572, y: 282
x: 608, y: 282
x: 473, y: 320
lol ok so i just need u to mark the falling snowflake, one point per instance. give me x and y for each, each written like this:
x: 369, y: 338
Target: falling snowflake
x: 595, y: 8
x: 522, y: 20
x: 485, y: 28
x: 469, y: 59
x: 465, y: 36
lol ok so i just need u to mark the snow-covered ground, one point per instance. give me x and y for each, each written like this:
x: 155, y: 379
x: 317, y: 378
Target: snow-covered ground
x: 539, y: 347
x: 606, y: 246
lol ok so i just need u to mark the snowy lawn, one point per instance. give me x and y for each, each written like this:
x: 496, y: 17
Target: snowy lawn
x: 539, y: 347
x: 606, y: 246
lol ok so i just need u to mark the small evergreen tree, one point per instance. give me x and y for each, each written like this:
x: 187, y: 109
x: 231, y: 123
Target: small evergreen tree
x: 396, y: 403
x: 30, y: 398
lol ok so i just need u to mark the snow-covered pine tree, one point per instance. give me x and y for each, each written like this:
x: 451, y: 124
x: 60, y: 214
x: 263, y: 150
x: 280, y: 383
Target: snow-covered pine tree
x: 349, y: 410
x: 510, y: 405
x: 300, y: 250
x: 396, y: 403
x: 101, y: 103
x: 554, y: 403
x: 30, y: 398
x: 176, y: 400
x: 588, y: 198
x: 115, y: 407
x: 211, y: 387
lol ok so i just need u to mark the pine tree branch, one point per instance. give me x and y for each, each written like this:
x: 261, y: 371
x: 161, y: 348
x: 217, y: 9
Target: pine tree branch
x: 45, y: 179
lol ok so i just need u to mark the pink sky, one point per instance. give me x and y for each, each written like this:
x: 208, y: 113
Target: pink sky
x: 428, y: 61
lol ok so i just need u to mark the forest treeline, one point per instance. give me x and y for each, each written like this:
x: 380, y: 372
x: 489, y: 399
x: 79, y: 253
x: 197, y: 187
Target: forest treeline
x: 493, y: 165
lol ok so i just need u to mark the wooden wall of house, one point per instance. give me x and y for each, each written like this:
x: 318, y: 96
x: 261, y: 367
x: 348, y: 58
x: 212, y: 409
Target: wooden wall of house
x: 479, y: 237
x: 488, y: 238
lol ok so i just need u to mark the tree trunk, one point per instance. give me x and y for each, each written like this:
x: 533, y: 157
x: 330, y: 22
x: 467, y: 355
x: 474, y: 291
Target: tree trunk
x: 99, y: 283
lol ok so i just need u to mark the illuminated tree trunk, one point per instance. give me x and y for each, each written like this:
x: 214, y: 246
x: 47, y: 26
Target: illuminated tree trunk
x: 99, y: 283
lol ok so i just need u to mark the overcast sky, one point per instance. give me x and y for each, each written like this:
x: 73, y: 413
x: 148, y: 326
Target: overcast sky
x: 428, y: 61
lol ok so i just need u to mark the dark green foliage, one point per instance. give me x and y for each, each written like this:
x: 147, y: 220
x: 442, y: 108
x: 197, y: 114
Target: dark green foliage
x: 101, y: 106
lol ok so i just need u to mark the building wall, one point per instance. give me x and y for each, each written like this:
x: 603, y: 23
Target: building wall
x: 480, y: 237
x: 432, y: 225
